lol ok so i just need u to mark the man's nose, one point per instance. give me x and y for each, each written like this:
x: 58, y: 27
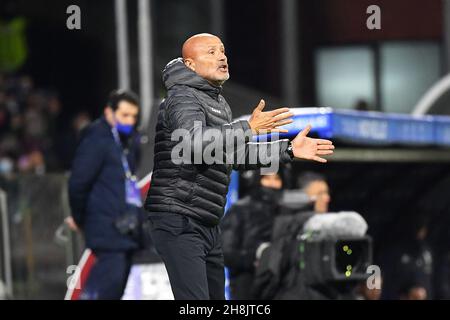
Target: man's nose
x: 223, y: 57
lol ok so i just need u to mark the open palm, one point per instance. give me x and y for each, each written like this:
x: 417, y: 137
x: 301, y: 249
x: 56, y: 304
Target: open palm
x: 310, y: 148
x: 269, y: 121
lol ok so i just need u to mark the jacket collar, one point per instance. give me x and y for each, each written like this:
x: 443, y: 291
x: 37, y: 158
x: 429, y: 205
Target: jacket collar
x: 176, y: 73
x: 104, y: 122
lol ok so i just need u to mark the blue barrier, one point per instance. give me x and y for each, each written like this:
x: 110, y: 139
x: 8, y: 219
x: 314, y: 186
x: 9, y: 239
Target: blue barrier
x: 232, y: 197
x: 370, y: 127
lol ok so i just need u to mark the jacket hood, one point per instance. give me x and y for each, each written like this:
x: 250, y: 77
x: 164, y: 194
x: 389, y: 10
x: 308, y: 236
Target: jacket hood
x: 176, y: 73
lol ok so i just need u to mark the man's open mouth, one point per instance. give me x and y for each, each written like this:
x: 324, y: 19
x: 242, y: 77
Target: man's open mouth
x: 223, y: 68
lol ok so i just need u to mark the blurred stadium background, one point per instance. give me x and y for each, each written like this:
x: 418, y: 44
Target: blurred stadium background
x: 54, y: 81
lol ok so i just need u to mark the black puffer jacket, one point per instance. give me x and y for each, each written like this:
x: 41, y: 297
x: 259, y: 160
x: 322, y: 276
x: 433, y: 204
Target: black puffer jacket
x: 198, y: 190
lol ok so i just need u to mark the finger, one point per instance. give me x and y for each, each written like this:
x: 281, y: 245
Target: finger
x: 264, y: 131
x: 319, y: 159
x: 280, y: 130
x: 323, y: 141
x: 325, y: 147
x: 278, y: 111
x: 324, y: 152
x: 305, y: 131
x: 282, y: 123
x: 283, y: 116
x: 261, y: 105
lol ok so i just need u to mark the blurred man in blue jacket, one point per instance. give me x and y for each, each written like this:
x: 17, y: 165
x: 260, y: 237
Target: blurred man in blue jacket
x: 103, y: 195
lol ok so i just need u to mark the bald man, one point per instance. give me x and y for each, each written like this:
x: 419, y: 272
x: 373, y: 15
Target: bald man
x: 188, y: 192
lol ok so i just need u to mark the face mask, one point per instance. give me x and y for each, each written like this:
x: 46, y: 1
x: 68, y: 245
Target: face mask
x: 124, y: 129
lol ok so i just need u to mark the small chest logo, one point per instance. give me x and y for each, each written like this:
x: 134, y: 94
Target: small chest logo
x: 216, y: 110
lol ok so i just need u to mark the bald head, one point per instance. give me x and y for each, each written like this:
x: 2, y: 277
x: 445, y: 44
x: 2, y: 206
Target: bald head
x: 192, y: 46
x: 204, y: 54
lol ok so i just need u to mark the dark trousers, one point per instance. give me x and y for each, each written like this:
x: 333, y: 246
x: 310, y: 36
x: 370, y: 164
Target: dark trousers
x: 108, y: 277
x: 192, y: 254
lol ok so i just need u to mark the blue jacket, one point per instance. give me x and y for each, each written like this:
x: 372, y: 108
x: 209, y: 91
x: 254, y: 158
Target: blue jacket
x: 97, y: 187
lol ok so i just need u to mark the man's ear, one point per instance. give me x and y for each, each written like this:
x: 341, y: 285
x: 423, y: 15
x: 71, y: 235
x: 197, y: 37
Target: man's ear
x: 189, y: 63
x: 108, y: 112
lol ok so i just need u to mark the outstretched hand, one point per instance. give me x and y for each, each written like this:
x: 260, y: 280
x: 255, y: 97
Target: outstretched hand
x: 310, y: 148
x: 269, y: 121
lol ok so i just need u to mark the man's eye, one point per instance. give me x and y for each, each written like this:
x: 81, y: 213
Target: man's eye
x: 211, y: 52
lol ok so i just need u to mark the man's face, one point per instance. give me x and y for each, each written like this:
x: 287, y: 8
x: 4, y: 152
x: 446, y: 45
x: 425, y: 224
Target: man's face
x: 126, y: 113
x: 208, y: 59
x: 272, y: 181
x: 318, y: 190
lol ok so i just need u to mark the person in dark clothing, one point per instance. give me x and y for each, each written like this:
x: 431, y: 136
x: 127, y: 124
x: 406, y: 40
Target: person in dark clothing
x: 316, y: 187
x: 408, y: 264
x: 103, y: 195
x: 187, y: 195
x: 247, y: 230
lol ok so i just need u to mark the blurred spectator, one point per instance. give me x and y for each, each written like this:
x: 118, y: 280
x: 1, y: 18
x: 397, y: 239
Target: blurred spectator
x: 6, y: 165
x: 35, y: 122
x: 247, y: 229
x: 34, y: 136
x: 316, y: 187
x: 362, y: 105
x: 81, y: 121
x: 32, y: 162
x: 413, y: 292
x: 408, y: 265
